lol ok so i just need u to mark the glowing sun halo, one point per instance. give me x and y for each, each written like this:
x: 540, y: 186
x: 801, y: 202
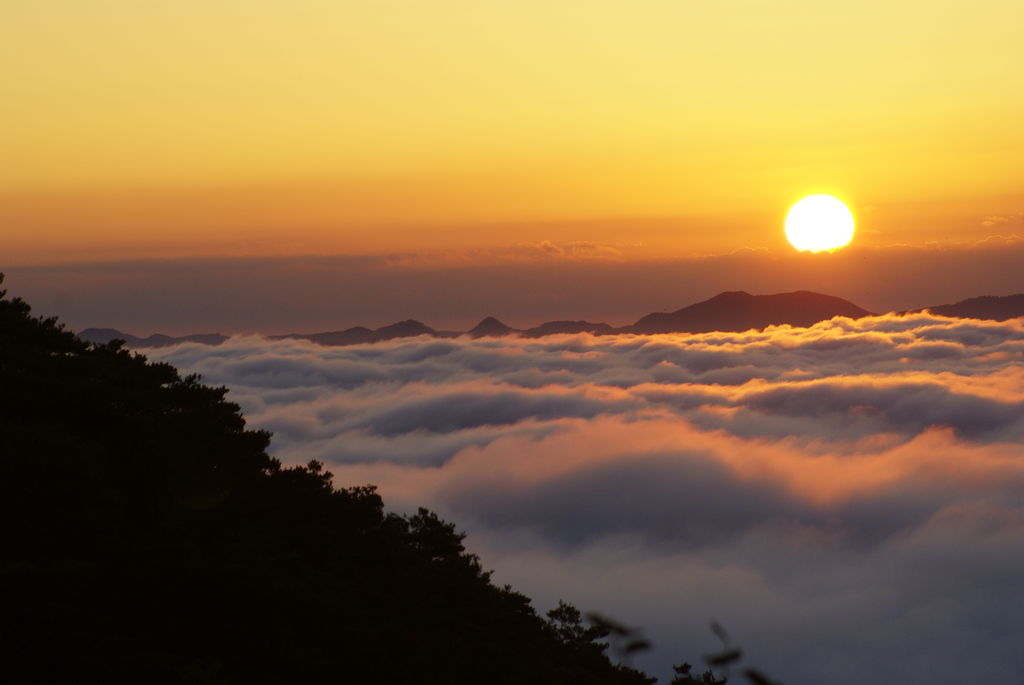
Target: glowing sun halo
x: 818, y: 223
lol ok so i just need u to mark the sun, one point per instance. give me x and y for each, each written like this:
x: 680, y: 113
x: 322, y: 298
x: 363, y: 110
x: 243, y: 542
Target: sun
x: 819, y: 223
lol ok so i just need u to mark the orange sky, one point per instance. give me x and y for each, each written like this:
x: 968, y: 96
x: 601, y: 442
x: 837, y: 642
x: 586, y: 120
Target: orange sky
x: 263, y: 127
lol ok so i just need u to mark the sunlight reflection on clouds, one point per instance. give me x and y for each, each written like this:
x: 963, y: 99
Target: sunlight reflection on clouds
x: 848, y: 493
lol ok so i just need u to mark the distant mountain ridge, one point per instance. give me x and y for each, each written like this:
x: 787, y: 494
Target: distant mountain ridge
x: 360, y: 334
x: 489, y: 327
x: 997, y: 308
x: 728, y: 311
x: 102, y: 336
x: 741, y: 311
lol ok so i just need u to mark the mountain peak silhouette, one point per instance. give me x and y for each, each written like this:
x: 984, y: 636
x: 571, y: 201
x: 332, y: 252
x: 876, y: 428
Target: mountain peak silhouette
x: 489, y: 327
x: 102, y: 336
x: 732, y: 310
x: 730, y: 295
x: 998, y: 308
x: 738, y: 310
x: 569, y: 327
x: 404, y: 329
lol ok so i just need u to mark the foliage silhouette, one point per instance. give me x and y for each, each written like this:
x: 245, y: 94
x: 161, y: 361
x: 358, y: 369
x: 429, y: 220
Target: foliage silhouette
x: 684, y: 676
x: 722, y: 660
x: 149, y: 537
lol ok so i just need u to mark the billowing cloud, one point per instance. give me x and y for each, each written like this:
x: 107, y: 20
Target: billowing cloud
x: 848, y: 499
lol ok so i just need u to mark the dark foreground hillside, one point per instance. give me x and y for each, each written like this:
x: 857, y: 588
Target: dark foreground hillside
x: 148, y: 538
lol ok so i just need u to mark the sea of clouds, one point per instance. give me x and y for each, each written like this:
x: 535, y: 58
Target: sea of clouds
x: 846, y: 499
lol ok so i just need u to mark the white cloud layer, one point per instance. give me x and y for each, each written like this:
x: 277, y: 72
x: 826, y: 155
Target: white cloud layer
x: 848, y: 499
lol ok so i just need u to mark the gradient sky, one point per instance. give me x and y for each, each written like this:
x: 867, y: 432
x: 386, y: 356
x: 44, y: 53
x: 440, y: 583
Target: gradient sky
x: 261, y: 127
x: 846, y: 497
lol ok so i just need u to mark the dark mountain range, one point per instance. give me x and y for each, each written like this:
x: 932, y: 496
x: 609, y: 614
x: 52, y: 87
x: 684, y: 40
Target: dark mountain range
x: 489, y: 327
x: 360, y: 334
x: 555, y: 327
x: 101, y: 336
x: 349, y: 336
x: 985, y: 307
x: 741, y: 311
x: 728, y: 311
x: 404, y: 329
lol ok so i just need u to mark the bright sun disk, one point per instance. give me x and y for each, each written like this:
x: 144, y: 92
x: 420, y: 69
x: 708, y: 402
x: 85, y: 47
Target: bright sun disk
x: 818, y: 223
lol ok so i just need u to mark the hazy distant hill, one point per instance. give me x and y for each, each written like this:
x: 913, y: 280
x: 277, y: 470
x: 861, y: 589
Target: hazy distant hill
x: 555, y: 327
x: 998, y: 308
x: 728, y: 311
x: 489, y: 327
x: 740, y: 311
x: 101, y: 336
x: 361, y: 334
x: 349, y: 336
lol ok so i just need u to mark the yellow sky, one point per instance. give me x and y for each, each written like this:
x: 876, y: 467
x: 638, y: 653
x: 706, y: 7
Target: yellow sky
x: 254, y: 126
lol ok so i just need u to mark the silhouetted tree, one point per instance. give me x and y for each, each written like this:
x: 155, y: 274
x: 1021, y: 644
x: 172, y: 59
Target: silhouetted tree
x: 149, y: 537
x: 684, y: 676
